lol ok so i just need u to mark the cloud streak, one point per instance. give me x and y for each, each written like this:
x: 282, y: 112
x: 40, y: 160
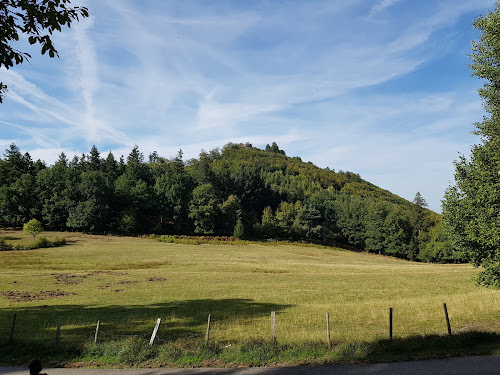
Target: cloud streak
x: 321, y: 78
x: 88, y: 81
x: 381, y: 6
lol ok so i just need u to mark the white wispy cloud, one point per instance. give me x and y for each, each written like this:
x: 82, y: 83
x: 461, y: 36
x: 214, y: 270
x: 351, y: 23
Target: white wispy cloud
x: 40, y: 138
x: 196, y: 75
x: 88, y: 79
x: 380, y: 6
x: 409, y: 140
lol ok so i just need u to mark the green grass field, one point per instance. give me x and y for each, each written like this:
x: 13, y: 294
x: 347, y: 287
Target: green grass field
x: 127, y: 283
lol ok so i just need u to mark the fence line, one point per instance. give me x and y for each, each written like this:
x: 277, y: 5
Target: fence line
x: 155, y: 337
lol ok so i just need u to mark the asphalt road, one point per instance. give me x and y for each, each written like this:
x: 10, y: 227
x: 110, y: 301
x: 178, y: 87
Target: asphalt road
x: 487, y: 365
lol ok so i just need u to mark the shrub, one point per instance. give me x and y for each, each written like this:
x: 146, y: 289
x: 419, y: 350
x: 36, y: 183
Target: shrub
x: 490, y: 276
x: 42, y: 242
x: 195, y: 240
x: 59, y: 242
x: 4, y: 246
x: 166, y: 238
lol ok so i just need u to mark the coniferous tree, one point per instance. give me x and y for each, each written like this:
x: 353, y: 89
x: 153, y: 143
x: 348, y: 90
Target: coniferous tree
x: 110, y: 167
x: 121, y: 165
x: 94, y: 159
x: 75, y: 161
x: 15, y: 164
x: 420, y: 224
x: 83, y: 163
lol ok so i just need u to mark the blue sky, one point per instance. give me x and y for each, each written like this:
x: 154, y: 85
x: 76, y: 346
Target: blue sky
x: 377, y: 87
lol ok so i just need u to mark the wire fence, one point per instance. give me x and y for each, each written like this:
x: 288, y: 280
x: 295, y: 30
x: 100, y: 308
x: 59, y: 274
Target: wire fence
x: 155, y: 334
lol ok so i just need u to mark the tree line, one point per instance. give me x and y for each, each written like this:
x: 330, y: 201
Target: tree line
x: 239, y: 190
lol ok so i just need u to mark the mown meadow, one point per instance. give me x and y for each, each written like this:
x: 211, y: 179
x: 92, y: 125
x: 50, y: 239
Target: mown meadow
x: 127, y: 283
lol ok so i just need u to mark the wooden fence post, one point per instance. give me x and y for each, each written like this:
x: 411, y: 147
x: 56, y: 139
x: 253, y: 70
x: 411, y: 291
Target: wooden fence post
x: 447, y: 319
x: 155, y: 331
x: 328, y: 329
x: 11, y: 339
x: 207, y: 335
x: 390, y: 324
x: 97, y: 331
x: 58, y: 331
x: 273, y: 321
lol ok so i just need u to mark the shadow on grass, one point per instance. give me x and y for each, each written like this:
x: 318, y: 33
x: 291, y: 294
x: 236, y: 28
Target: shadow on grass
x: 436, y: 346
x: 180, y: 318
x: 10, y: 238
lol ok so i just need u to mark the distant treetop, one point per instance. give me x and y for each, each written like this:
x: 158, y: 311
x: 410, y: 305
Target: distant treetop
x: 274, y: 148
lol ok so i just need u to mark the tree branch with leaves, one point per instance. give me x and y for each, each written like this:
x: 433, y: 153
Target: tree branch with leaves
x: 471, y: 208
x: 37, y: 20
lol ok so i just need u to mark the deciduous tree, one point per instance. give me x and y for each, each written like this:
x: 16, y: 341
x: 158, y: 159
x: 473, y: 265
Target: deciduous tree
x: 33, y: 227
x: 471, y: 208
x: 204, y: 209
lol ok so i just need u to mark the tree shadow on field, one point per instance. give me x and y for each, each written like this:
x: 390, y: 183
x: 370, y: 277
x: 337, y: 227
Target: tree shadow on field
x: 179, y: 318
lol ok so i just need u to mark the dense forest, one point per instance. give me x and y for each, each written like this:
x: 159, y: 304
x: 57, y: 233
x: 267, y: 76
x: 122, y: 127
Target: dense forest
x: 239, y: 190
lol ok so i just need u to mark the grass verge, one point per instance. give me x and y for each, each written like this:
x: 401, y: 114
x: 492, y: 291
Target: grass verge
x: 134, y: 352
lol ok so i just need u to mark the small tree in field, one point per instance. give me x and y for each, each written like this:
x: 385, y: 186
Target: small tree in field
x: 33, y: 227
x: 239, y: 229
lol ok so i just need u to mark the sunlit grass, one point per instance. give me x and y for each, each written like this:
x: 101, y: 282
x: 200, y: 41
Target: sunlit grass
x: 127, y: 283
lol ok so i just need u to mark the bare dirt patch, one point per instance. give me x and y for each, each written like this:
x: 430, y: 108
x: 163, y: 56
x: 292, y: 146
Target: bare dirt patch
x: 127, y: 282
x: 260, y: 270
x: 156, y: 279
x: 110, y: 273
x: 34, y: 296
x: 139, y: 265
x: 111, y: 285
x: 68, y: 279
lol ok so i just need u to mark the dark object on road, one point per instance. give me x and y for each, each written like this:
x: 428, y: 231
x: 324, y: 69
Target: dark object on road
x: 35, y: 367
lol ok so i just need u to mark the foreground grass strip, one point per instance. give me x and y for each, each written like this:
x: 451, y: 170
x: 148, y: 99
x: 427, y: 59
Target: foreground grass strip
x: 138, y: 353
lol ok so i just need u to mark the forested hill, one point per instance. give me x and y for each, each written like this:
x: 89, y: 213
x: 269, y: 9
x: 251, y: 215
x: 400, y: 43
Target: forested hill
x: 296, y: 180
x: 241, y: 191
